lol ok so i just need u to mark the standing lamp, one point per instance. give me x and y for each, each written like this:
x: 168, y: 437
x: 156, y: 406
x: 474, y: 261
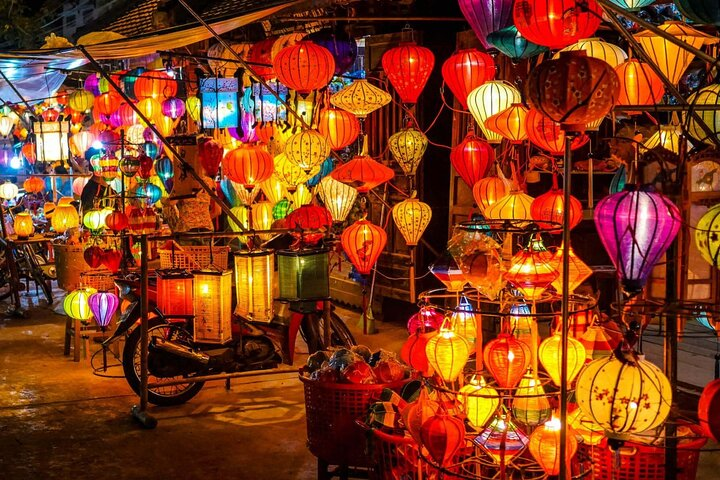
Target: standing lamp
x: 213, y: 305
x: 253, y: 285
x: 175, y: 292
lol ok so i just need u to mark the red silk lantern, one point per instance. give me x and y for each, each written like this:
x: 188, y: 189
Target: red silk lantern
x: 510, y: 123
x: 363, y: 173
x: 413, y: 352
x: 210, y: 153
x: 574, y: 89
x: 111, y: 259
x: 309, y: 217
x: 489, y: 190
x: 548, y: 135
x: 260, y: 56
x: 472, y: 158
x: 419, y: 412
x: 340, y: 127
x: 549, y: 207
x: 531, y: 271
x: 34, y: 185
x: 709, y: 408
x: 443, y: 435
x: 556, y: 23
x: 304, y: 67
x: 145, y: 165
x: 156, y: 85
x: 93, y: 256
x: 408, y: 67
x: 639, y: 84
x: 128, y: 116
x: 248, y: 165
x: 117, y: 221
x: 107, y: 103
x: 363, y: 243
x: 466, y: 70
x: 507, y: 359
x: 50, y: 115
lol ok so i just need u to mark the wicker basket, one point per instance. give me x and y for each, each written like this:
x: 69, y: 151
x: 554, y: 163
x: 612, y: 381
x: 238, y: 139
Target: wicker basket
x: 194, y: 257
x: 101, y: 280
x: 69, y: 264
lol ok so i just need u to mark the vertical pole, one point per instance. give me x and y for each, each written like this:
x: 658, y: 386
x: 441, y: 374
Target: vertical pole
x: 670, y: 348
x: 327, y: 319
x: 144, y: 311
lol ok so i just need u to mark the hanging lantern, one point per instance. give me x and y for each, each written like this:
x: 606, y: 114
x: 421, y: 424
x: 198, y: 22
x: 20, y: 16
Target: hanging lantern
x: 482, y: 266
x: 303, y: 274
x: 591, y: 433
x: 636, y: 227
x: 632, y: 5
x: 339, y: 127
x: 708, y: 409
x: 639, y: 84
x: 516, y: 205
x: 556, y: 23
x: 531, y: 272
x: 502, y: 439
x: 262, y: 218
x: 551, y: 353
x: 173, y: 107
x: 521, y: 324
x: 544, y: 445
x: 548, y: 135
x: 465, y: 323
x: 511, y: 43
x: 117, y: 221
x: 447, y: 354
x: 579, y: 271
x: 248, y: 165
x: 156, y: 85
x: 530, y: 405
x: 363, y: 173
x: 443, y: 435
x: 103, y: 306
x: 549, y: 207
x: 360, y: 98
x: 426, y: 320
x: 281, y: 209
x: 699, y: 11
x: 7, y: 125
x: 487, y: 17
x: 164, y: 168
x: 407, y: 148
x: 142, y: 220
x: 290, y: 174
x: 34, y: 185
x: 472, y: 158
x: 307, y: 149
x: 411, y: 217
x: 488, y: 191
x: 64, y: 218
x: 212, y: 299
x: 81, y: 142
x: 52, y: 141
x: 94, y: 220
x: 210, y: 153
x: 76, y: 304
x: 624, y: 396
x: 597, y: 343
x: 8, y: 190
x: 129, y: 166
x: 708, y: 96
x: 707, y: 236
x: 107, y: 103
x: 413, y: 352
x: 408, y: 67
x: 310, y: 217
x: 597, y: 48
x: 670, y: 58
x: 81, y: 100
x: 23, y: 225
x: 342, y: 47
x: 670, y: 137
x: 193, y: 107
x: 241, y: 213
x: 304, y: 67
x: 466, y: 70
x: 150, y: 108
x: 509, y: 123
x: 28, y: 151
x: 254, y: 272
x: 507, y: 359
x: 447, y: 271
x: 480, y: 402
x: 338, y: 197
x: 419, y: 412
x: 562, y: 89
x: 488, y: 99
x: 363, y: 242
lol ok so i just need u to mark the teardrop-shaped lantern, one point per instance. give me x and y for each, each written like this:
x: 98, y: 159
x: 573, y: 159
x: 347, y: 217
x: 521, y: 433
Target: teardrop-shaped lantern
x: 466, y: 70
x: 447, y: 354
x: 544, y: 445
x: 486, y: 17
x: 337, y: 197
x: 274, y: 189
x: 103, y: 306
x: 307, y: 149
x: 531, y: 272
x: 530, y: 405
x: 472, y: 158
x: 411, y: 217
x: 407, y: 148
x: 556, y: 23
x: 507, y: 359
x: 579, y: 271
x: 479, y: 401
x: 509, y: 123
x: 488, y: 99
x: 551, y: 355
x: 443, y: 435
x: 408, y: 67
x: 363, y: 242
x: 304, y: 66
x: 340, y: 127
x: 360, y: 98
x: 489, y: 190
x: 510, y: 42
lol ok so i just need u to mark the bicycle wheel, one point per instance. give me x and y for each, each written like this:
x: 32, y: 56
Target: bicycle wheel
x: 37, y: 274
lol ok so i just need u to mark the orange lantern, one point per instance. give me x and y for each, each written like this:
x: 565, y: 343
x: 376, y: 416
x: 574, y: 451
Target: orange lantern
x: 507, y: 359
x: 64, y: 218
x: 408, y: 67
x: 443, y: 435
x: 128, y: 116
x: 513, y: 206
x: 489, y: 190
x: 544, y: 445
x: 248, y: 165
x: 414, y: 354
x: 107, y: 103
x: 23, y: 225
x: 34, y: 185
x: 28, y: 151
x: 549, y: 207
x: 117, y: 221
x: 304, y: 66
x: 509, y: 123
x: 341, y: 128
x: 579, y: 271
x: 363, y: 242
x: 531, y: 272
x: 472, y: 158
x: 363, y: 173
x: 150, y: 107
x: 551, y: 354
x: 447, y: 354
x: 639, y: 84
x: 597, y: 342
x: 419, y: 412
x: 175, y: 292
x: 466, y: 70
x: 548, y: 135
x: 157, y: 85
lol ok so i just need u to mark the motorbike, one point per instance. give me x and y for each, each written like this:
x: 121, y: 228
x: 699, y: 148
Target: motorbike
x: 174, y: 354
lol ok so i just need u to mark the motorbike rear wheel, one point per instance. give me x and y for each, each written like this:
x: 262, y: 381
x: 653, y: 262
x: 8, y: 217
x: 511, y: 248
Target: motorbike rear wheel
x: 313, y: 330
x: 161, y: 396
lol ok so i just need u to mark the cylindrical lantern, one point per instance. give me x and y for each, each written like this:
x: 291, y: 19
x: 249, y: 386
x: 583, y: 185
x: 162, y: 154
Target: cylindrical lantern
x: 363, y: 243
x: 254, y: 273
x: 52, y: 141
x: 248, y: 165
x: 304, y: 66
x: 76, y: 304
x: 551, y: 354
x: 624, y: 396
x: 447, y: 354
x: 360, y: 98
x: 103, y: 306
x: 212, y: 292
x: 338, y: 197
x: 303, y: 274
x: 408, y: 67
x: 466, y: 70
x: 480, y: 402
x: 639, y: 84
x: 544, y: 446
x: 488, y: 99
x: 556, y: 23
x: 307, y: 149
x: 530, y: 405
x: 339, y: 127
x: 64, y: 218
x: 407, y: 148
x: 23, y: 225
x: 472, y: 158
x: 636, y: 227
x: 411, y: 217
x: 507, y: 359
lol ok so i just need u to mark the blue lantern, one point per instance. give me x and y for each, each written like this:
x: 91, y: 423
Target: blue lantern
x: 617, y: 184
x: 153, y: 193
x: 229, y: 191
x: 511, y: 43
x: 164, y: 168
x: 150, y: 149
x: 325, y: 168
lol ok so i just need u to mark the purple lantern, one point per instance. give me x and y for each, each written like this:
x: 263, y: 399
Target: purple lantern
x: 92, y: 84
x: 173, y: 107
x: 636, y: 227
x: 487, y: 16
x: 103, y: 306
x: 115, y: 119
x: 341, y: 45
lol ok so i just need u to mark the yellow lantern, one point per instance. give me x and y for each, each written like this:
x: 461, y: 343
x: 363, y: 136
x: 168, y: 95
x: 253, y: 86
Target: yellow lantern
x: 360, y: 98
x: 550, y: 353
x: 193, y: 107
x: 262, y: 217
x: 709, y: 95
x: 52, y: 141
x: 447, y: 353
x: 274, y: 189
x: 670, y: 58
x: 411, y: 217
x: 81, y: 100
x: 242, y: 214
x: 76, y: 304
x: 254, y: 273
x: 150, y: 107
x: 509, y: 123
x: 479, y: 401
x: 64, y: 218
x: 579, y: 271
x: 464, y: 322
x: 530, y: 406
x: 338, y: 197
x: 166, y: 125
x: 307, y: 149
x: 707, y: 235
x: 597, y: 48
x: 301, y: 196
x: 624, y: 396
x: 65, y: 201
x: 489, y: 190
x: 591, y: 433
x: 407, y: 148
x: 8, y: 191
x: 670, y: 137
x: 135, y: 134
x: 290, y: 174
x: 213, y: 309
x: 544, y: 446
x: 522, y: 324
x: 23, y: 225
x: 513, y: 206
x: 489, y: 99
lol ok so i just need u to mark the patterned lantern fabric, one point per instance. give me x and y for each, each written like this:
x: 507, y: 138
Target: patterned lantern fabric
x: 103, y: 306
x: 408, y: 67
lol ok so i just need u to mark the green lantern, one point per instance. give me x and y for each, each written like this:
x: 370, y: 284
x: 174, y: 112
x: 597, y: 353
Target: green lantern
x: 303, y: 275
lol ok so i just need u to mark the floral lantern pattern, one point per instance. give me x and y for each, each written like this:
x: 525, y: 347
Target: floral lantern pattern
x: 707, y: 236
x: 307, y: 149
x: 408, y: 67
x: 407, y: 148
x: 411, y: 217
x: 363, y: 242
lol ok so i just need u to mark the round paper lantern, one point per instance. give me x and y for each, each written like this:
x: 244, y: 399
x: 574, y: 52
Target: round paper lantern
x: 507, y: 359
x: 700, y: 11
x: 260, y: 57
x: 341, y: 46
x: 304, y: 67
x: 76, y: 304
x: 530, y: 405
x: 289, y: 173
x: 274, y: 189
x: 669, y: 137
x: 639, y: 84
x: 443, y: 435
x: 472, y: 158
x: 339, y: 127
x: 516, y: 205
x: 78, y: 185
x: 597, y: 48
x: 509, y: 123
x: 248, y: 165
x: 413, y: 352
x: 708, y: 408
x: 8, y: 191
x: 480, y: 402
x: 129, y: 166
x: 103, y: 306
x: 548, y: 135
x: 573, y: 90
x: 363, y: 173
x: 34, y: 185
x: 488, y: 191
x: 117, y: 221
x: 360, y: 98
x: 636, y: 227
x: 426, y: 320
x: 407, y: 148
x: 363, y: 242
x: 241, y: 213
x: 466, y: 70
x: 511, y: 43
x: 550, y: 354
x: 624, y: 396
x: 486, y: 17
x: 173, y: 107
x: 82, y: 141
x: 307, y: 149
x: 708, y: 96
x: 488, y: 99
x: 81, y: 100
x: 556, y: 23
x: 707, y: 236
x: 149, y: 107
x: 150, y: 192
x: 408, y: 67
x: 337, y: 197
x: 23, y: 225
x: 411, y: 217
x: 531, y: 272
x: 550, y: 207
x: 107, y: 103
x: 544, y: 446
x: 64, y: 218
x: 156, y: 85
x: 447, y: 354
x: 94, y: 220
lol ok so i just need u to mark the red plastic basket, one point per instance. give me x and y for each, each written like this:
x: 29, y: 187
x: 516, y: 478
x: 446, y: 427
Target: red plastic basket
x: 396, y: 457
x: 331, y: 410
x: 645, y: 462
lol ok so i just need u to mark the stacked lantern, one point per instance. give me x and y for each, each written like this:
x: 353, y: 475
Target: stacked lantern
x: 253, y: 284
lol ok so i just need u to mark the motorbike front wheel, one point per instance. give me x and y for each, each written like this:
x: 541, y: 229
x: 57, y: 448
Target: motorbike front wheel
x: 165, y: 395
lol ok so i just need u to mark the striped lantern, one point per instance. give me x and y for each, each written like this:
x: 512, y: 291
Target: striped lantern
x: 340, y: 128
x: 551, y: 354
x: 338, y: 197
x: 304, y: 66
x: 103, y: 306
x: 411, y: 217
x: 472, y: 158
x: 488, y: 99
x: 507, y: 359
x: 76, y: 304
x: 447, y: 354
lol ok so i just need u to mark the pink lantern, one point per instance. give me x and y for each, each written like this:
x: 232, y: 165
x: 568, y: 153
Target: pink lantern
x: 487, y: 16
x: 426, y: 320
